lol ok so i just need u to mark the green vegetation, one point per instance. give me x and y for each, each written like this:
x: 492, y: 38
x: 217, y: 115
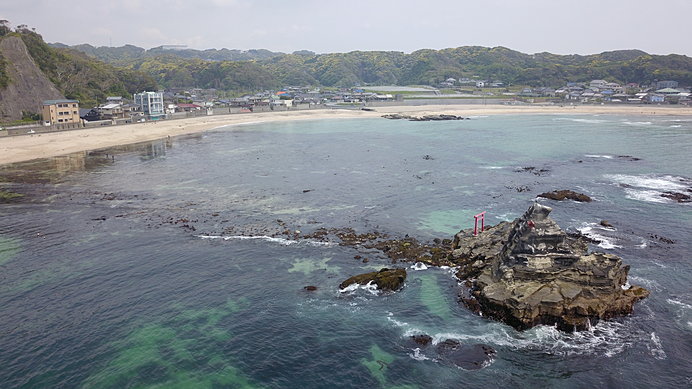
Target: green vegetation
x: 169, y: 354
x: 9, y: 247
x: 423, y: 67
x: 80, y: 77
x: 378, y: 366
x: 4, y: 78
x: 128, y: 69
x: 6, y: 196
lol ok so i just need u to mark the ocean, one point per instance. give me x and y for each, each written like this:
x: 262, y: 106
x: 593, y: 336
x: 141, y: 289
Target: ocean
x: 174, y: 264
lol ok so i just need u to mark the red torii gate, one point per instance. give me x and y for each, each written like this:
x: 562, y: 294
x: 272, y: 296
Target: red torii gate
x: 475, y: 223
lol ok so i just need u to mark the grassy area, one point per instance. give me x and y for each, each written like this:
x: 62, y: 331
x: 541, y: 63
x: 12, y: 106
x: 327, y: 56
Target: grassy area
x: 22, y: 122
x: 6, y: 196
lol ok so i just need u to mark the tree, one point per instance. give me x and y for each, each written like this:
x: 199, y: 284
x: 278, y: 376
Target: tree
x: 4, y: 27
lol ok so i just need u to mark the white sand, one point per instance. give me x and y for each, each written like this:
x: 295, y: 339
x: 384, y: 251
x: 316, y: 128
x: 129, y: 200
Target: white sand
x: 27, y: 147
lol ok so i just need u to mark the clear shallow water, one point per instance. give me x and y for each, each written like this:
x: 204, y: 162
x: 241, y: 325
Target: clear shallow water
x: 108, y: 277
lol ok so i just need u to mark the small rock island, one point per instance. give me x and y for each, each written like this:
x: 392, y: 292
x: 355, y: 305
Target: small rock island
x: 529, y: 272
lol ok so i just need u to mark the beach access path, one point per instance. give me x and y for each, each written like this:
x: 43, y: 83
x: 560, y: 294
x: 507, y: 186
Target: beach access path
x: 22, y: 148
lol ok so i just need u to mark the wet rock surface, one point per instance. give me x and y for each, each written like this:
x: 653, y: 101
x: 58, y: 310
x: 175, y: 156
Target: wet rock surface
x: 452, y: 352
x: 406, y: 249
x: 424, y: 118
x: 529, y: 272
x: 385, y: 279
x: 677, y: 196
x: 466, y: 356
x: 560, y: 195
x: 422, y: 339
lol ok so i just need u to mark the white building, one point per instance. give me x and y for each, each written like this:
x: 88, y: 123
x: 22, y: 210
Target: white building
x: 598, y: 84
x: 151, y: 104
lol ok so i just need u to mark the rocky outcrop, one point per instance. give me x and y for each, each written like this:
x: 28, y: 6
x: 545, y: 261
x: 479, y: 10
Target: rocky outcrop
x: 424, y: 118
x: 451, y: 352
x: 385, y: 279
x: 560, y: 195
x: 28, y: 86
x: 677, y: 196
x: 466, y: 356
x: 530, y: 272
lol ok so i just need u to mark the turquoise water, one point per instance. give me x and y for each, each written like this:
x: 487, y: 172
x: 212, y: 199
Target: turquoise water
x: 132, y: 267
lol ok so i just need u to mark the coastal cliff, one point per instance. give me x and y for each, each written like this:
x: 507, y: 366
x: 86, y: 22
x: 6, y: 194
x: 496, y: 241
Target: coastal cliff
x: 529, y: 272
x: 28, y: 86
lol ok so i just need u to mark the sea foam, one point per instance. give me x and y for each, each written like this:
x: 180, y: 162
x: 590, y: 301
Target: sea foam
x: 281, y: 241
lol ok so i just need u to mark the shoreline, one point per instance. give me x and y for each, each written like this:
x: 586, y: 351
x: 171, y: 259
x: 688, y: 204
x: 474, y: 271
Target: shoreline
x: 22, y: 148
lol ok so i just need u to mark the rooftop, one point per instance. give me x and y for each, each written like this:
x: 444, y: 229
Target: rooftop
x: 63, y: 101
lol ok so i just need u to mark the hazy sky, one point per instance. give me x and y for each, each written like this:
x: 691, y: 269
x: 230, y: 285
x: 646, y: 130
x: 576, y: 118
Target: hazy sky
x: 530, y: 26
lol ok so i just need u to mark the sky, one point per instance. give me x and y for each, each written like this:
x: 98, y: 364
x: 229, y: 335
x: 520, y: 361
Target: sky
x: 325, y: 26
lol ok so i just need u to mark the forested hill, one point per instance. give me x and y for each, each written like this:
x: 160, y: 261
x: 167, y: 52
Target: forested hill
x: 31, y: 71
x: 184, y: 68
x: 123, y: 54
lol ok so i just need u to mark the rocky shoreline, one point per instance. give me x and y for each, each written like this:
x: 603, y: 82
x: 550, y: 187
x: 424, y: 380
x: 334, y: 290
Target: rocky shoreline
x: 524, y: 273
x: 529, y: 272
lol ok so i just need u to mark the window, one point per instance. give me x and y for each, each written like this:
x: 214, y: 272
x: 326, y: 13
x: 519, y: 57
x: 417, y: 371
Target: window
x: 59, y: 120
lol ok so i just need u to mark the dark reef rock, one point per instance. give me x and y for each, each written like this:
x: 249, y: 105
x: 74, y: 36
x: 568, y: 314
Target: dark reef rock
x: 529, y: 272
x: 560, y: 195
x: 677, y: 196
x: 425, y: 118
x: 310, y: 288
x: 606, y: 224
x: 533, y: 170
x: 385, y: 279
x: 422, y: 339
x: 435, y: 253
x: 629, y: 158
x: 469, y: 357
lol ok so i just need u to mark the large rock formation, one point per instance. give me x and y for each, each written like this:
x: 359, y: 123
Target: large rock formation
x: 530, y: 272
x: 28, y: 86
x: 385, y: 279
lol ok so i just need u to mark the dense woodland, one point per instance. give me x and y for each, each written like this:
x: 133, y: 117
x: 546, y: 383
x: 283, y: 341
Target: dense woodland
x: 89, y: 74
x: 213, y: 69
x: 75, y: 74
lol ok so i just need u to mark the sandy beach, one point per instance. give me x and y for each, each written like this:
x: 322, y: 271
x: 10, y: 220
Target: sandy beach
x: 28, y: 147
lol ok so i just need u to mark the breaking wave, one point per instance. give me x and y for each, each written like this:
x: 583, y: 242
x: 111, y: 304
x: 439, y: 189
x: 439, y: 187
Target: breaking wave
x: 281, y: 241
x: 595, y: 231
x: 607, y: 339
x: 580, y: 120
x: 650, y: 188
x: 638, y: 124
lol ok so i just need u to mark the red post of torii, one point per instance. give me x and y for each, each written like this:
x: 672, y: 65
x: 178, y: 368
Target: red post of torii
x: 475, y: 223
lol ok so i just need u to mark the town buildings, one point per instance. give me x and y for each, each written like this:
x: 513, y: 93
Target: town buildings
x: 151, y: 104
x: 60, y: 112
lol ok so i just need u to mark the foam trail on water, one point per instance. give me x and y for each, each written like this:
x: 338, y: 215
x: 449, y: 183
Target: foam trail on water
x: 650, y: 188
x: 605, y: 242
x: 281, y: 241
x: 370, y: 287
x: 419, y: 266
x: 638, y: 124
x: 656, y: 348
x: 579, y: 120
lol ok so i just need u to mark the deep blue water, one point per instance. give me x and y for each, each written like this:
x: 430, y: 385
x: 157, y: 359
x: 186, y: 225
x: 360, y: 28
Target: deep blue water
x: 126, y: 267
